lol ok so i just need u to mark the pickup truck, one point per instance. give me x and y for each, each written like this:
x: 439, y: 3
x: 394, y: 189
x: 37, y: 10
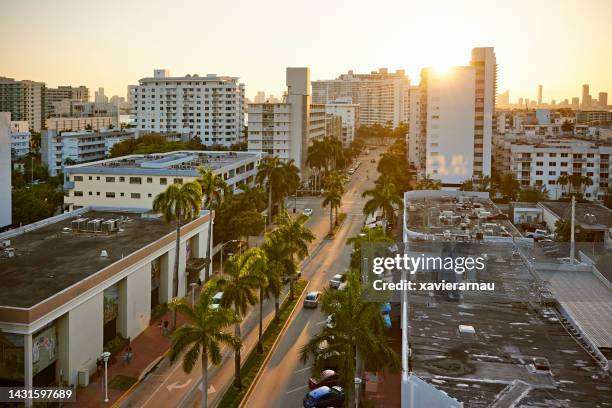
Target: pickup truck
x: 537, y: 234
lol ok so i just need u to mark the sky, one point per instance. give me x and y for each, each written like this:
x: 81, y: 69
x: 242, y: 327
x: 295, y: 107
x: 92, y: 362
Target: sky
x: 560, y: 44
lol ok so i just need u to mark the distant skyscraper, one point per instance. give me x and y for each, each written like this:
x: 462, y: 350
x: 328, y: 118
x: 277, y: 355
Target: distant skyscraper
x: 586, y: 98
x: 100, y: 97
x: 540, y: 94
x: 260, y: 97
x: 25, y: 100
x: 520, y: 102
x: 575, y: 102
x: 603, y: 99
x: 503, y: 100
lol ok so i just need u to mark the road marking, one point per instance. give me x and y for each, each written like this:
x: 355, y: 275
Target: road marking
x: 321, y: 322
x: 211, y: 389
x: 296, y: 389
x: 303, y: 369
x: 175, y: 385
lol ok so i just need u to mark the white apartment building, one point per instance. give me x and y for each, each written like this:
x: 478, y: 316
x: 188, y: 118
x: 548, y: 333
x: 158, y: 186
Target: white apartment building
x: 349, y: 113
x: 316, y: 122
x: 456, y: 120
x: 93, y: 275
x: 383, y: 97
x: 282, y: 129
x: 25, y: 100
x: 414, y: 130
x: 5, y: 169
x: 540, y: 162
x: 20, y: 144
x: 210, y: 107
x: 133, y: 181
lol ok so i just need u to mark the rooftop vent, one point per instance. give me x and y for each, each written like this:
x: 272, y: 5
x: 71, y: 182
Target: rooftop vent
x: 103, y: 254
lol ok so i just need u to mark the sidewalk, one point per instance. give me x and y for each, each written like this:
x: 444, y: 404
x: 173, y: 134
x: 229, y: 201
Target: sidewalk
x: 148, y: 348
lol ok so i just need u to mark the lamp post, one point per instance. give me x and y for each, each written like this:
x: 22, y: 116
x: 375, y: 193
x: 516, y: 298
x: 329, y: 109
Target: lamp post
x: 223, y: 246
x: 358, y: 382
x: 193, y: 286
x: 105, y: 356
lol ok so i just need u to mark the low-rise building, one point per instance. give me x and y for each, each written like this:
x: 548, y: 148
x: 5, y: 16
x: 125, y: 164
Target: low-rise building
x: 595, y: 220
x: 81, y: 123
x: 594, y: 117
x: 78, y: 281
x: 540, y: 162
x: 134, y: 181
x: 20, y: 144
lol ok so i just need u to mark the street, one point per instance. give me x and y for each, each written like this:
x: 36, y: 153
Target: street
x: 285, y: 379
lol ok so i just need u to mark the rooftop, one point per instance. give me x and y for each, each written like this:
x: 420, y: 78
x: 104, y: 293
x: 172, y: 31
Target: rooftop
x: 511, y: 328
x: 177, y: 163
x: 588, y: 216
x: 52, y: 258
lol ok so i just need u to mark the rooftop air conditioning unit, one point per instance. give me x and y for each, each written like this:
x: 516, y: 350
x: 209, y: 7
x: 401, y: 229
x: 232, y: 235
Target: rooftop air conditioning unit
x: 94, y: 225
x: 110, y: 225
x: 5, y: 244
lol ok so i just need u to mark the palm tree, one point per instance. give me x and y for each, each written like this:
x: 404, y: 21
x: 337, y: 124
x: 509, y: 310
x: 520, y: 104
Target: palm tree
x: 356, y: 337
x: 203, y: 335
x: 280, y: 262
x: 317, y: 160
x: 214, y: 189
x: 579, y: 182
x: 296, y: 236
x: 384, y: 197
x: 333, y: 199
x: 367, y: 236
x: 427, y: 183
x: 291, y: 180
x: 335, y: 181
x: 563, y: 180
x: 238, y: 284
x: 270, y: 283
x: 269, y: 173
x: 179, y: 203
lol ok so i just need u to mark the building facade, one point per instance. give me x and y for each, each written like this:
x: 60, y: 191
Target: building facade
x: 210, y: 107
x: 134, y: 181
x: 81, y: 123
x: 63, y: 93
x: 25, y: 100
x: 383, y: 97
x: 349, y: 114
x: 55, y: 325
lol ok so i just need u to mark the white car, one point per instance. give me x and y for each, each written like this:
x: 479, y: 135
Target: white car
x: 336, y: 281
x: 307, y: 211
x: 537, y: 234
x: 216, y: 300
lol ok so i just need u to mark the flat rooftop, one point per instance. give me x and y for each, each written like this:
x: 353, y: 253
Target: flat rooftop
x: 458, y: 217
x: 511, y: 328
x: 52, y: 258
x: 177, y: 163
x: 588, y: 215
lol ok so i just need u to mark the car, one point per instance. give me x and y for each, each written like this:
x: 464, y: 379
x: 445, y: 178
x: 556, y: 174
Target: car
x: 216, y: 300
x: 328, y: 378
x: 541, y: 363
x: 324, y: 397
x: 312, y: 299
x: 336, y: 281
x: 307, y: 212
x: 329, y: 323
x: 537, y: 234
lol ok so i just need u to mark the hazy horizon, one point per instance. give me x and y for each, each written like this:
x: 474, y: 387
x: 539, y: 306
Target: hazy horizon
x: 559, y: 44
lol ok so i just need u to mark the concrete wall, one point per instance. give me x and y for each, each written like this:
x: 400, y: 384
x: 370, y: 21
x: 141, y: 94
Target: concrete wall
x: 135, y: 302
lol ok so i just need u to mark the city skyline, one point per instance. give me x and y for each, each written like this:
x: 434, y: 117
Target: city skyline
x: 119, y: 55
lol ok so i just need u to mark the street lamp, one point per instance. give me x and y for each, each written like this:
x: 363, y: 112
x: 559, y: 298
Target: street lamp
x: 358, y: 382
x: 222, y: 246
x: 193, y: 286
x: 105, y: 356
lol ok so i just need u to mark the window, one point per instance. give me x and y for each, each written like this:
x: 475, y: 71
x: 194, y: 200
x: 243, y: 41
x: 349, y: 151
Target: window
x: 539, y: 172
x: 110, y: 179
x: 97, y: 193
x: 122, y: 179
x: 135, y: 195
x: 163, y: 181
x: 178, y: 181
x: 540, y: 154
x: 91, y: 178
x: 78, y: 194
x: 552, y: 155
x: 149, y: 179
x: 135, y: 180
x: 78, y: 178
x: 563, y: 164
x: 121, y: 194
x: 539, y: 163
x: 552, y: 173
x: 110, y: 194
x: 150, y: 195
x: 552, y: 163
x: 97, y: 177
x: 90, y: 193
x: 563, y: 154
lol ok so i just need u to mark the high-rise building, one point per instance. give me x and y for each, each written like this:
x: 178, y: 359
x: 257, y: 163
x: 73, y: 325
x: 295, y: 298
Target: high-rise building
x: 603, y: 100
x: 349, y: 113
x: 5, y: 169
x: 383, y: 97
x: 456, y: 120
x: 260, y: 97
x: 586, y: 97
x: 575, y: 102
x: 100, y: 97
x: 25, y: 100
x: 210, y: 107
x: 540, y: 95
x: 503, y: 100
x: 63, y: 93
x: 520, y: 103
x: 415, y: 144
x: 282, y: 129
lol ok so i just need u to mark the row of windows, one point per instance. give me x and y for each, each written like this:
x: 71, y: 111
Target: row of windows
x: 132, y: 180
x: 111, y: 194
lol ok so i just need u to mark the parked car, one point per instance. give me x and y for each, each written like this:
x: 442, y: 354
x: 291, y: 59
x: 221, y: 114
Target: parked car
x: 307, y: 211
x: 328, y: 378
x: 336, y: 281
x: 541, y: 363
x: 537, y: 234
x: 216, y: 300
x: 329, y: 323
x: 324, y: 397
x: 312, y: 299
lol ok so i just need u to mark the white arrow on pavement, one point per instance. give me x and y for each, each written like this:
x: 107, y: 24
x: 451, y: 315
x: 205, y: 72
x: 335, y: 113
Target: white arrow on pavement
x: 176, y: 385
x: 211, y: 389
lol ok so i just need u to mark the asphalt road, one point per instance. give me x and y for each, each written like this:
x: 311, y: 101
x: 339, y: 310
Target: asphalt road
x: 170, y: 386
x: 284, y: 381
